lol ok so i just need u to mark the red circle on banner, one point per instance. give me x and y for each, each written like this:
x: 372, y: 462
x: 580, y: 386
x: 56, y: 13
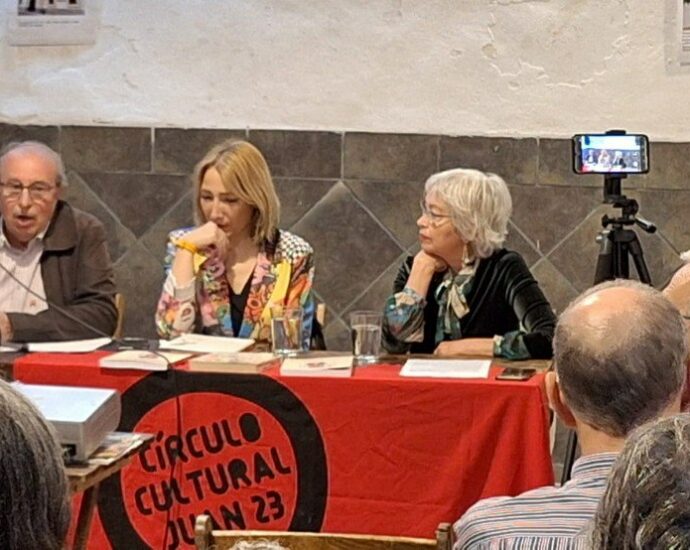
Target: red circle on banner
x: 240, y: 468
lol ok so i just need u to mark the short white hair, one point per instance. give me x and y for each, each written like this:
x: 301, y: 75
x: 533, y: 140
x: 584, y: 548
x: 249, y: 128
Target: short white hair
x: 479, y: 204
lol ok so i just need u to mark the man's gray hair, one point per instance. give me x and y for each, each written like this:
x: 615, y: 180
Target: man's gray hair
x: 479, y: 204
x: 33, y: 483
x: 43, y: 149
x: 647, y: 499
x: 624, y: 367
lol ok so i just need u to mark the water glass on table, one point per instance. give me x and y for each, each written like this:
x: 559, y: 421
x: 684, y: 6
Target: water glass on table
x: 286, y: 331
x: 365, y: 329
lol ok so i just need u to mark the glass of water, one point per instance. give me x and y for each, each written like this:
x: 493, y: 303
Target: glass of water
x: 286, y: 331
x: 365, y: 329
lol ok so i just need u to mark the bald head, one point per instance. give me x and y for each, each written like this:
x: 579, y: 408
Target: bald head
x: 620, y: 352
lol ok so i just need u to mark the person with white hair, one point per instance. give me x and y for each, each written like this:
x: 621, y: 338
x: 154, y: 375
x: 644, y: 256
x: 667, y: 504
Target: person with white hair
x: 463, y: 292
x: 34, y: 491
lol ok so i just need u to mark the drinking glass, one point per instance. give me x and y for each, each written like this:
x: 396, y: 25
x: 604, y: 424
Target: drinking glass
x: 365, y: 329
x: 286, y: 330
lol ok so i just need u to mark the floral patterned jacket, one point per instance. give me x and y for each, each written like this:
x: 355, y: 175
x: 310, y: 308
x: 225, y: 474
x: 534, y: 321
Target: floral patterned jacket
x: 283, y: 276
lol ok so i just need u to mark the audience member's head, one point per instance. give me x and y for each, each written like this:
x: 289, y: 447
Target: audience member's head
x: 679, y: 295
x: 647, y: 500
x: 245, y: 175
x: 31, y: 176
x: 619, y: 352
x: 34, y: 498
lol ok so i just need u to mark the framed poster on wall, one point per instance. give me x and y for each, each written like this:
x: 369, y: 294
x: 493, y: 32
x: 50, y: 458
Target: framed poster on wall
x: 52, y: 22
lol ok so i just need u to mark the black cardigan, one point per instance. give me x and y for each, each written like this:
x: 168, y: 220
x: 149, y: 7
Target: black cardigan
x: 503, y: 295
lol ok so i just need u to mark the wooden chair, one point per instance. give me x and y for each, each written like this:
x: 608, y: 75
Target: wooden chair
x: 207, y: 539
x: 120, y: 306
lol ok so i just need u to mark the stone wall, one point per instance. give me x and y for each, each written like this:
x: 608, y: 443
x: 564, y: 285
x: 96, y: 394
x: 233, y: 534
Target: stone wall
x: 355, y: 197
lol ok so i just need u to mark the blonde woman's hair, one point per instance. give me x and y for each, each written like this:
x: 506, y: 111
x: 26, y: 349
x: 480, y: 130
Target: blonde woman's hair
x: 245, y: 174
x: 479, y: 205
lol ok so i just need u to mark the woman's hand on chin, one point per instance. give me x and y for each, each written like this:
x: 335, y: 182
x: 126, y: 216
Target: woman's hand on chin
x: 208, y: 235
x: 429, y: 263
x: 483, y: 347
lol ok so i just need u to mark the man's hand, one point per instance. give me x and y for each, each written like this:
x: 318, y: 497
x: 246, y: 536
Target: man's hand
x: 6, y: 332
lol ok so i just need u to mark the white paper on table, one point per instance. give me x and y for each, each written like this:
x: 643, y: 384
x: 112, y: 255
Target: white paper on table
x: 8, y: 349
x: 69, y: 346
x: 446, y: 368
x: 202, y: 343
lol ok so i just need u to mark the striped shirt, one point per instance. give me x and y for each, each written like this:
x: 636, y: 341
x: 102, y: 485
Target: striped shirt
x: 548, y: 518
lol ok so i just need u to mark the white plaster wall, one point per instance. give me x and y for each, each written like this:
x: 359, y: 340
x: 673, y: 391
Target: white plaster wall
x: 469, y: 67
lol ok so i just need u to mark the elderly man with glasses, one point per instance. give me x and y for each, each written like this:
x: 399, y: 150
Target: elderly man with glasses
x: 56, y: 277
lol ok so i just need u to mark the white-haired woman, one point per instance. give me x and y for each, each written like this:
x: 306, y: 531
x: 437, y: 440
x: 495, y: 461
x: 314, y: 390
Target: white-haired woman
x: 463, y: 293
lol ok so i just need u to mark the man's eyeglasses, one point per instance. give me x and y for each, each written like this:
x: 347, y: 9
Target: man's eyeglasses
x: 37, y: 191
x: 433, y: 217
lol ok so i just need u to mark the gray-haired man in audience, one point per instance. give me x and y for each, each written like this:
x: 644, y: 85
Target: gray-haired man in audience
x: 619, y: 352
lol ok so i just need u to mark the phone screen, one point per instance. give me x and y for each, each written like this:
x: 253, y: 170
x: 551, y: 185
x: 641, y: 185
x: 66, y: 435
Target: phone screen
x: 610, y: 154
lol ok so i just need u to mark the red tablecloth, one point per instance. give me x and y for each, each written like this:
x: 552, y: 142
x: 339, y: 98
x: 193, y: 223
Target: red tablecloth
x: 375, y: 453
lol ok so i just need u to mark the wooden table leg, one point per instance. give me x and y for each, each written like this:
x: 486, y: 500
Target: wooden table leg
x: 86, y: 510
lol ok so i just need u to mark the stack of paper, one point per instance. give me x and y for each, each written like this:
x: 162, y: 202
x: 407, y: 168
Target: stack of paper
x: 446, y: 368
x: 69, y: 346
x: 202, y: 343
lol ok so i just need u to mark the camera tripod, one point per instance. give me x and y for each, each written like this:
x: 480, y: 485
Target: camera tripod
x: 617, y: 244
x: 615, y: 247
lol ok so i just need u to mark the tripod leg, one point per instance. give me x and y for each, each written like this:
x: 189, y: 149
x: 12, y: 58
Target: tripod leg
x: 635, y: 249
x: 604, y: 269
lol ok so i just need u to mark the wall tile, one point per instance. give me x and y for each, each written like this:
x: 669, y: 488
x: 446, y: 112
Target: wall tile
x: 337, y: 335
x: 102, y: 149
x: 390, y: 157
x: 180, y: 215
x: 300, y: 154
x: 176, y: 150
x: 513, y: 159
x: 670, y: 211
x: 50, y: 135
x: 394, y: 204
x: 138, y: 200
x: 548, y: 213
x: 351, y: 249
x: 555, y: 286
x: 555, y: 165
x: 669, y: 167
x: 80, y: 195
x: 517, y: 242
x: 139, y: 278
x: 297, y: 196
x: 378, y: 292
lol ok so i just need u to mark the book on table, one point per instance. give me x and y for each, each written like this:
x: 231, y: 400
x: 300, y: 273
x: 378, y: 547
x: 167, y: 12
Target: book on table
x: 325, y: 365
x: 241, y: 362
x: 142, y: 360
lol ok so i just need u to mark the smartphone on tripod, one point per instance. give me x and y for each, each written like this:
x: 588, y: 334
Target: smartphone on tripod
x: 610, y: 154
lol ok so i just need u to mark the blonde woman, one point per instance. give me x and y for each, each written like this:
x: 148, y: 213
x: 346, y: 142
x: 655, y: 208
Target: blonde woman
x: 463, y: 293
x: 226, y: 273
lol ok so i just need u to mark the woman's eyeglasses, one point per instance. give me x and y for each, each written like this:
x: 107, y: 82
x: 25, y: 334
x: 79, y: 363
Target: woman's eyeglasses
x: 434, y: 218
